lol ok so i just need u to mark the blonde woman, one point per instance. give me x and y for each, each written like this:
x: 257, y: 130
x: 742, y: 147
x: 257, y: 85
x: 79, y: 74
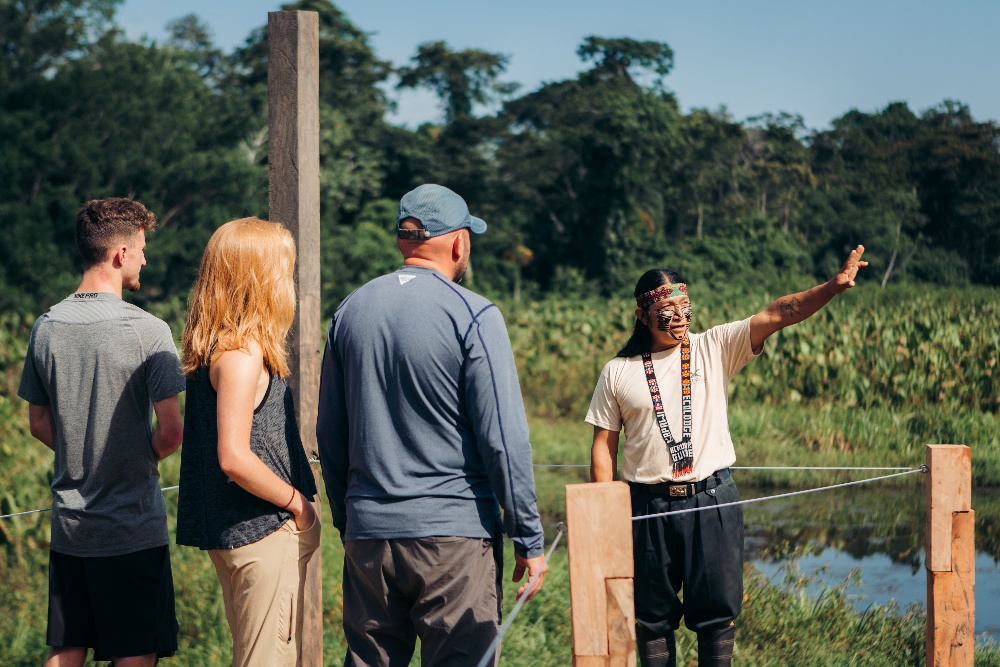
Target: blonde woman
x: 246, y: 487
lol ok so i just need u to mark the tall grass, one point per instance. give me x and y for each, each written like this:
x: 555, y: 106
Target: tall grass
x: 866, y: 382
x: 906, y: 348
x: 782, y: 623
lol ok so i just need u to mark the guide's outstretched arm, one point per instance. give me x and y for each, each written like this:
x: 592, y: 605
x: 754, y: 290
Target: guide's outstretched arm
x: 794, y: 308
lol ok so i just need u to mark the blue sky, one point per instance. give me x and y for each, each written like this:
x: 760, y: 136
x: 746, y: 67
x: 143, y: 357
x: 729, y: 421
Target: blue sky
x: 817, y: 59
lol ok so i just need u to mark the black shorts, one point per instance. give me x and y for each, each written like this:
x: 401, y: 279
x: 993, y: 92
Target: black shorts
x: 118, y: 605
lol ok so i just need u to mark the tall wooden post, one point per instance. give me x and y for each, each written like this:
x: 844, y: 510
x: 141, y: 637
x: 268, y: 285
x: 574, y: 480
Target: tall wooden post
x: 951, y: 557
x: 599, y: 534
x: 293, y: 198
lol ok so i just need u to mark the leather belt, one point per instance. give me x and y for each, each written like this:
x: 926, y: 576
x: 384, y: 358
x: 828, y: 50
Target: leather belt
x: 683, y: 489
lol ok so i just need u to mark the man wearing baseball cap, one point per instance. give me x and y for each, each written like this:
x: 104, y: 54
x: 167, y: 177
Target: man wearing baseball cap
x: 423, y: 439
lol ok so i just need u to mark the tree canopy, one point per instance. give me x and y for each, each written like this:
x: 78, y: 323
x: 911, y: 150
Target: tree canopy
x: 585, y: 182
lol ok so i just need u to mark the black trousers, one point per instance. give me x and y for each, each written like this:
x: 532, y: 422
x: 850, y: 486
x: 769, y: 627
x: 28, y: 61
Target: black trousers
x: 700, y: 553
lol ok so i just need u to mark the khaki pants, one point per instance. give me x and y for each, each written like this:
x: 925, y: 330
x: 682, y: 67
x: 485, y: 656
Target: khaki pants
x: 262, y: 585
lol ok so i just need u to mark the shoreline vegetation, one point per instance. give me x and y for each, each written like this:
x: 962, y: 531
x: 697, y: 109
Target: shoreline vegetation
x: 585, y: 183
x: 867, y: 382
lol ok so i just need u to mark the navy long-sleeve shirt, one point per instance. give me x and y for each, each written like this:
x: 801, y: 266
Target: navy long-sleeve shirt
x: 421, y: 426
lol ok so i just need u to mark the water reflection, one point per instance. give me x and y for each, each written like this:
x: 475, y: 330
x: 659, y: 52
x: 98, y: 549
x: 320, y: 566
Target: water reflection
x: 877, y: 528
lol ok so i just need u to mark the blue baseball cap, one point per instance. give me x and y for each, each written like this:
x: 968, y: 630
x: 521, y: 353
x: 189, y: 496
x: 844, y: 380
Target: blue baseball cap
x: 438, y: 209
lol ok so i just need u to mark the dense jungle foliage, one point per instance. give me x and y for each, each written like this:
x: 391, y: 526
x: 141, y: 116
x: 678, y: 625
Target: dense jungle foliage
x: 584, y: 181
x: 560, y: 345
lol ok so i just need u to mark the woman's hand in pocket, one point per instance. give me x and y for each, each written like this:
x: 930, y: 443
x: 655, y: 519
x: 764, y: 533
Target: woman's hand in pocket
x: 306, y: 515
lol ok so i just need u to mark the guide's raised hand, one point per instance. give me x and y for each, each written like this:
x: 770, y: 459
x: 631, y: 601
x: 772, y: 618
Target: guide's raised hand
x: 794, y: 308
x: 844, y: 280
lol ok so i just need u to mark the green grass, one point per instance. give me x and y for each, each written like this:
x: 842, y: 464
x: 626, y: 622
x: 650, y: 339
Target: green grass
x: 870, y: 381
x: 767, y: 434
x: 781, y: 624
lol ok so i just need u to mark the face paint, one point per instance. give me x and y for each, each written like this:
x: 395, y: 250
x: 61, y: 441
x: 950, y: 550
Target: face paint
x: 665, y: 316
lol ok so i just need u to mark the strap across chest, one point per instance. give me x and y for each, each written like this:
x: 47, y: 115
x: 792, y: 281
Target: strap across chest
x: 681, y: 454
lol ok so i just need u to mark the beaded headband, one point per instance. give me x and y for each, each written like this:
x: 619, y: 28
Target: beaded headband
x: 667, y: 291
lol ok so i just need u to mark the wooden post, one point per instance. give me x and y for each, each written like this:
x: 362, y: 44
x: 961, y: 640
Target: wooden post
x: 951, y: 557
x: 599, y: 535
x: 293, y: 198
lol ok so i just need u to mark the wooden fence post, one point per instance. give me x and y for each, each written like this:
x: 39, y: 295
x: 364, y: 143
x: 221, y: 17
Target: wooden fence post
x: 951, y: 557
x: 599, y: 535
x: 293, y: 199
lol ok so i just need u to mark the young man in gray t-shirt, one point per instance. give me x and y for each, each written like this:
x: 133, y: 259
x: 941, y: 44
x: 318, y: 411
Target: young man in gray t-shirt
x: 96, y: 369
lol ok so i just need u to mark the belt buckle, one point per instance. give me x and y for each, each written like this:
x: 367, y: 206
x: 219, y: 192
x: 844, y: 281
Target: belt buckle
x: 679, y: 491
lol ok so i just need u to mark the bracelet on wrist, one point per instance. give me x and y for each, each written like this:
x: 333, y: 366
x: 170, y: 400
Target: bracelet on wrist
x: 294, y: 491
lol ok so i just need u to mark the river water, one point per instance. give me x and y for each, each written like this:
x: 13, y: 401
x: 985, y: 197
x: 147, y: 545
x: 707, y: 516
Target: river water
x: 876, y: 528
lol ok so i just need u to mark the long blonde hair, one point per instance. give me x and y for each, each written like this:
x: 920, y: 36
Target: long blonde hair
x: 245, y: 291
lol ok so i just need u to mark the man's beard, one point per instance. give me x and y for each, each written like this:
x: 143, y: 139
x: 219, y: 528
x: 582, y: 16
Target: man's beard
x: 460, y: 271
x: 133, y: 286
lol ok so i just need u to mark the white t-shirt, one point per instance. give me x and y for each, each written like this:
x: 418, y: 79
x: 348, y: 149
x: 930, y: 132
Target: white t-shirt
x: 622, y: 399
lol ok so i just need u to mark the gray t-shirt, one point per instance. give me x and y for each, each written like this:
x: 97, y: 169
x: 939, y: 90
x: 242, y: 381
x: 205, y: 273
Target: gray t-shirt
x: 100, y: 363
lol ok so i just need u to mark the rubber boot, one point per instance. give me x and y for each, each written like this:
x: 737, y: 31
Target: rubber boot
x: 715, y: 646
x: 654, y: 650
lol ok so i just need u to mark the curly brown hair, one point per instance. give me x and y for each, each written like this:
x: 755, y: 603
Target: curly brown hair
x: 101, y: 223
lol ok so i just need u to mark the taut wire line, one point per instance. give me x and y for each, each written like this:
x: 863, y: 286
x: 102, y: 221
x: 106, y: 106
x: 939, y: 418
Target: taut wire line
x: 7, y: 516
x: 491, y: 651
x: 690, y: 510
x: 587, y: 465
x: 49, y: 509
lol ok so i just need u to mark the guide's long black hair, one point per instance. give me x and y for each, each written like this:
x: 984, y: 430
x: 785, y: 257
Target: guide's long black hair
x: 641, y: 338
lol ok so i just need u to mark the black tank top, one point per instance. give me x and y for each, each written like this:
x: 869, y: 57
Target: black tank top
x: 214, y: 512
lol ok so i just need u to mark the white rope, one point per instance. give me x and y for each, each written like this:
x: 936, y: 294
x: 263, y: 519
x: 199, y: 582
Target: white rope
x: 7, y: 516
x: 780, y: 495
x: 560, y: 529
x: 587, y: 465
x: 819, y: 468
x: 49, y: 509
